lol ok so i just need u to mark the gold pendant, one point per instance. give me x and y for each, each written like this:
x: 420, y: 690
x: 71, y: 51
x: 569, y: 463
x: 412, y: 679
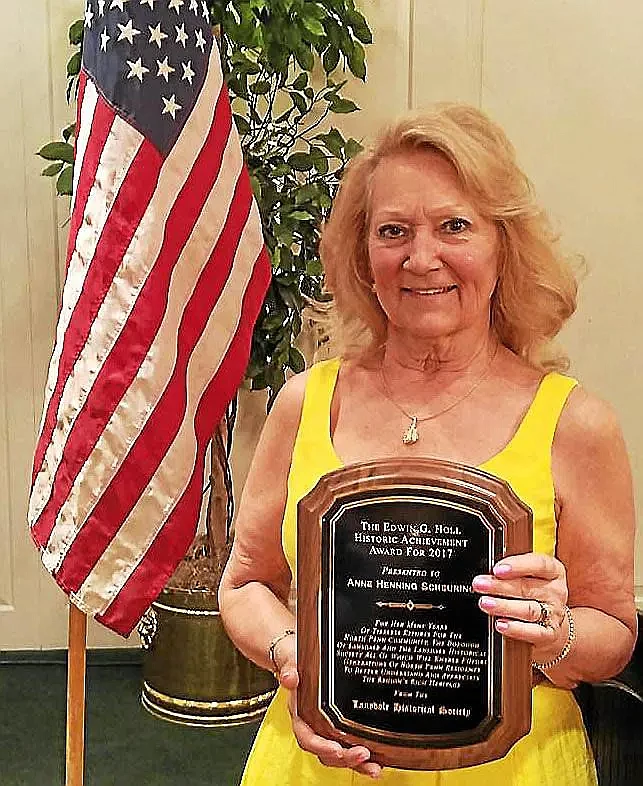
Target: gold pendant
x: 411, y: 434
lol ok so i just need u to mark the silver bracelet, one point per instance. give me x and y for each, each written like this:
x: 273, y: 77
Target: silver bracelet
x: 273, y: 644
x: 571, y: 638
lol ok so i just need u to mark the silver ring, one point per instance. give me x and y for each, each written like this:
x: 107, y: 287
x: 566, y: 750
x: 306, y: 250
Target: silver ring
x: 545, y: 615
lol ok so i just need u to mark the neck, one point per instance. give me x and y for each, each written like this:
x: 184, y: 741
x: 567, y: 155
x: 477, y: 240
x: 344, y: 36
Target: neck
x: 441, y: 357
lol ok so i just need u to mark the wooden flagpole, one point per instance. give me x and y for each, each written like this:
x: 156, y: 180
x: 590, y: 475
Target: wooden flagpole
x: 76, y: 668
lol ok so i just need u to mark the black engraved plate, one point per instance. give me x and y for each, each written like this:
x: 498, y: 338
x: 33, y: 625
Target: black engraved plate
x: 409, y: 652
x: 393, y: 651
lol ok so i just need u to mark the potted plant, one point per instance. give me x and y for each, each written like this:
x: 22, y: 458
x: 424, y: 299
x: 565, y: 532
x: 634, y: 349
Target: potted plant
x: 281, y: 60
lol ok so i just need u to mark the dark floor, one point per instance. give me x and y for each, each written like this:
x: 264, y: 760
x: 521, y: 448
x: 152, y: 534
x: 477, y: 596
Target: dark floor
x: 124, y: 743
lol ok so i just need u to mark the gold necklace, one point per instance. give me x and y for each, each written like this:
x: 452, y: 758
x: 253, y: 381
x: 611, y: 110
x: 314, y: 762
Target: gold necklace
x: 412, y: 434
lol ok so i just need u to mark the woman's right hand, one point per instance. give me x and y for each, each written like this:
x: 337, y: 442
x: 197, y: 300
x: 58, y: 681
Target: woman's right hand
x: 329, y: 752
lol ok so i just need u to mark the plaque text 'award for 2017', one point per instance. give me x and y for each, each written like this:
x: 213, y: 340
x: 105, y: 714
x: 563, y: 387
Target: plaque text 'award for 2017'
x: 393, y: 650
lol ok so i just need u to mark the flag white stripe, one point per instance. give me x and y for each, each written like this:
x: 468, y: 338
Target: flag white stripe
x: 87, y: 109
x: 131, y: 275
x: 149, y: 514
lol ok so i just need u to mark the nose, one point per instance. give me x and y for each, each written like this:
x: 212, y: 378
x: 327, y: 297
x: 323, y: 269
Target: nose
x: 424, y: 253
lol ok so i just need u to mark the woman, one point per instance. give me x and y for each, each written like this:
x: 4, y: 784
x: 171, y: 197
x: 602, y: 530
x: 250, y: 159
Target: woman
x: 448, y: 287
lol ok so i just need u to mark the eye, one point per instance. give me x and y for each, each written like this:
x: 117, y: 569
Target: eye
x: 391, y: 231
x: 453, y: 226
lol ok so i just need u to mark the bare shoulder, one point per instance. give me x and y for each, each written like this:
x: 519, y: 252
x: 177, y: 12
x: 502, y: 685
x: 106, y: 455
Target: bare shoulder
x: 286, y: 410
x: 587, y: 423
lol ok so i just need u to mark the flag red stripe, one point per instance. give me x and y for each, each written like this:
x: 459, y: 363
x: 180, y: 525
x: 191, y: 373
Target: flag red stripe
x: 175, y: 536
x: 117, y: 234
x: 121, y: 366
x: 163, y: 424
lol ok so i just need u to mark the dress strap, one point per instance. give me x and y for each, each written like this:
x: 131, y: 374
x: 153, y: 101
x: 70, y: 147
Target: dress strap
x: 314, y: 425
x: 539, y: 425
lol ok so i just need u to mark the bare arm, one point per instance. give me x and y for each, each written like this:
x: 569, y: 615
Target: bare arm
x: 253, y: 594
x: 595, y: 539
x: 593, y: 571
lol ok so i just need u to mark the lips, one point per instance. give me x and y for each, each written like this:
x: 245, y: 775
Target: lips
x: 430, y: 290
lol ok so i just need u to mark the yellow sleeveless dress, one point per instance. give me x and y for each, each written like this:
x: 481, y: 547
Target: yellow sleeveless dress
x: 556, y: 751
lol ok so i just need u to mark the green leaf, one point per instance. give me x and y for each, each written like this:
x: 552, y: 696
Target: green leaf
x: 305, y: 57
x: 313, y: 26
x: 320, y: 161
x: 301, y: 215
x: 343, y: 106
x: 314, y: 267
x: 334, y: 141
x: 65, y: 181
x: 243, y: 126
x: 52, y: 169
x: 256, y: 187
x: 301, y: 82
x: 76, y: 32
x: 357, y: 61
x: 306, y: 193
x: 69, y: 131
x: 302, y: 162
x: 360, y: 27
x: 330, y: 59
x: 260, y: 87
x: 352, y: 148
x: 73, y: 66
x: 296, y: 360
x: 299, y: 101
x: 57, y: 151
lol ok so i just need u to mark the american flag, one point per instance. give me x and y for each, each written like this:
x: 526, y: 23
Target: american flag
x: 166, y: 274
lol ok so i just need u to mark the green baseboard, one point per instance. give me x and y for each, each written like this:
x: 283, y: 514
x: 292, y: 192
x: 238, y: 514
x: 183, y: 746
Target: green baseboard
x: 116, y: 656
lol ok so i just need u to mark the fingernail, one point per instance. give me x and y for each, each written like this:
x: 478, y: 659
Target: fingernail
x: 481, y: 583
x: 488, y: 603
x: 502, y: 570
x: 502, y: 625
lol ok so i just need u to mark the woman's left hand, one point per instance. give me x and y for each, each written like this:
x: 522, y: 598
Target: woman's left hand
x: 527, y: 595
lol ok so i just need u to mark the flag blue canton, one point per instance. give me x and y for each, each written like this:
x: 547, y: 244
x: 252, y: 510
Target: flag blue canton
x: 148, y: 58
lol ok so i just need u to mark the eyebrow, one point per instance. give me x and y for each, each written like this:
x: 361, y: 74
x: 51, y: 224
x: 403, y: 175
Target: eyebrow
x: 441, y: 210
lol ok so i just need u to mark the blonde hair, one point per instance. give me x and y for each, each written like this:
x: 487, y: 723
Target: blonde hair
x: 536, y: 290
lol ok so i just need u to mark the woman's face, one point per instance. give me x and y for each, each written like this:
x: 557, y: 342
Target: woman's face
x: 433, y: 257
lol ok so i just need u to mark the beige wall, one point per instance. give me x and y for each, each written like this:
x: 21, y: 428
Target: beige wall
x: 564, y: 79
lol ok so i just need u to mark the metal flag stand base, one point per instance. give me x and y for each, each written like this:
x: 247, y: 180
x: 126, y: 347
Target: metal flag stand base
x: 76, y: 668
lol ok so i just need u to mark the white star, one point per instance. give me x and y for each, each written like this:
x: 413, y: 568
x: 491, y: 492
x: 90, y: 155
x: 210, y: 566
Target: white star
x: 171, y: 106
x: 89, y: 16
x: 104, y: 38
x: 156, y: 35
x: 206, y: 13
x: 194, y: 6
x: 148, y: 2
x: 165, y: 69
x: 176, y: 5
x: 127, y: 31
x: 181, y: 35
x: 119, y: 3
x: 200, y: 40
x: 188, y: 73
x: 101, y: 7
x: 137, y: 69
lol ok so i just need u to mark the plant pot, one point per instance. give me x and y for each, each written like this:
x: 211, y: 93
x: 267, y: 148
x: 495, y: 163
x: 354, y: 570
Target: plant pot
x: 192, y: 673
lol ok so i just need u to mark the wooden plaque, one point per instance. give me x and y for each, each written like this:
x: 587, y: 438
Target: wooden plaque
x: 392, y: 649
